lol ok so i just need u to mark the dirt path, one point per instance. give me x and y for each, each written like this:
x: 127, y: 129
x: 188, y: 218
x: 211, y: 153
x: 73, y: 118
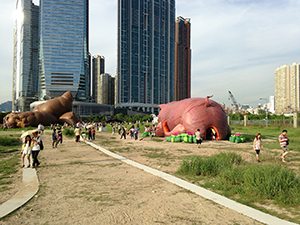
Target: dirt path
x: 80, y: 185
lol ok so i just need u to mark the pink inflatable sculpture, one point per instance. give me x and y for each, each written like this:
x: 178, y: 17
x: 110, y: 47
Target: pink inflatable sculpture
x: 191, y: 114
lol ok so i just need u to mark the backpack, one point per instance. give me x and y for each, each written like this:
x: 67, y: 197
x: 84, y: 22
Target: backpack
x: 41, y: 145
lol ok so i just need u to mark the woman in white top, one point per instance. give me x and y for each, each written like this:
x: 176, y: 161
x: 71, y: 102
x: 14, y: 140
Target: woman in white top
x: 35, y: 149
x: 26, y: 150
x: 257, y: 146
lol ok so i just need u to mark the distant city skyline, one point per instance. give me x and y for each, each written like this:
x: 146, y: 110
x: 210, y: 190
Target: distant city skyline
x: 236, y: 45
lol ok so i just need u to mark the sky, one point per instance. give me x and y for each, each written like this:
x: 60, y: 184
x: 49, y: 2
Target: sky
x: 236, y: 44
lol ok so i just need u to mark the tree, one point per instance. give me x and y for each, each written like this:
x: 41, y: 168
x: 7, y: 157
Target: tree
x: 90, y: 118
x: 147, y: 118
x: 137, y: 117
x: 128, y: 118
x: 119, y: 116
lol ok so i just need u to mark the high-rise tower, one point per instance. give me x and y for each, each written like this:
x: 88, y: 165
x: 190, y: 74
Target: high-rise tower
x: 182, y: 58
x: 146, y: 49
x: 25, y: 61
x: 98, y: 69
x: 64, y: 49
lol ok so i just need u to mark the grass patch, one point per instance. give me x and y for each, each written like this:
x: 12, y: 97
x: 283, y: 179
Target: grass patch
x: 229, y: 175
x: 9, y: 159
x: 108, y: 143
x: 8, y: 141
x: 157, y: 140
x: 154, y: 155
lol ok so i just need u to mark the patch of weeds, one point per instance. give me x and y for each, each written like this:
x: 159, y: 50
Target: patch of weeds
x: 84, y: 192
x: 113, y: 138
x: 164, y: 164
x: 157, y: 140
x: 107, y: 143
x: 183, y: 150
x: 153, y: 149
x: 155, y: 155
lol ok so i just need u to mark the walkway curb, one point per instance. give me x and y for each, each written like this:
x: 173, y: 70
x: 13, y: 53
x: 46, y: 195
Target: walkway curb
x: 243, y: 209
x: 29, y: 187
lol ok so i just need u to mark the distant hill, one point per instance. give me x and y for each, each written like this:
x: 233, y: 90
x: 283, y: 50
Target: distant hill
x: 6, y: 106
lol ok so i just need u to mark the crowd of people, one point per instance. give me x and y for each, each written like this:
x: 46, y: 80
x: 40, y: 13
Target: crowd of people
x: 32, y: 145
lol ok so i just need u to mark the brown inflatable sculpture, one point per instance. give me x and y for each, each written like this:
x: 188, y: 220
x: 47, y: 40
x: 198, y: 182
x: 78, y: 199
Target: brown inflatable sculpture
x: 56, y: 110
x: 191, y: 114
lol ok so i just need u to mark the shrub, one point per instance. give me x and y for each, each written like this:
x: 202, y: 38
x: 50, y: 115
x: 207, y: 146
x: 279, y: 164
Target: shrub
x: 68, y: 132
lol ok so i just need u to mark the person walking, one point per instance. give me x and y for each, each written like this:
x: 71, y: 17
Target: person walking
x: 36, y: 149
x: 123, y: 134
x: 284, y: 142
x: 90, y: 134
x: 113, y: 130
x: 26, y: 150
x: 119, y: 128
x: 59, y: 137
x: 54, y: 139
x: 136, y: 133
x: 41, y: 128
x: 198, y: 138
x: 77, y: 133
x: 153, y: 129
x: 257, y: 146
x: 131, y: 131
x: 93, y: 133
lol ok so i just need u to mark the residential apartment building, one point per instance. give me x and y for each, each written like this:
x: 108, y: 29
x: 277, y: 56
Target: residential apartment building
x: 146, y: 50
x: 287, y: 98
x: 295, y: 85
x: 182, y: 58
x: 105, y: 89
x: 25, y: 56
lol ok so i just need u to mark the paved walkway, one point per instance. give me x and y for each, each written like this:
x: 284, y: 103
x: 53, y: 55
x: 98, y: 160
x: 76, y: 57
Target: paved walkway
x: 29, y: 187
x: 243, y: 209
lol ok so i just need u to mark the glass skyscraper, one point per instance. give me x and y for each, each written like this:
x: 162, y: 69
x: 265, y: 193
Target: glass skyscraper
x: 146, y: 49
x: 25, y: 61
x: 63, y: 49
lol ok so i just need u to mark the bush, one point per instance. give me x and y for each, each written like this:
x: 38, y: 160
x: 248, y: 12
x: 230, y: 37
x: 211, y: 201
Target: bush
x: 68, y: 132
x: 6, y: 141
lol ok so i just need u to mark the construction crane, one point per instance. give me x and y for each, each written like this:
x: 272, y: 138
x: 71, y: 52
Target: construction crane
x: 233, y: 101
